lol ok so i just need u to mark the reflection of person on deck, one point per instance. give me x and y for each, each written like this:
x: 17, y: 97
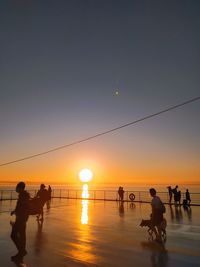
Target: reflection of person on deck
x: 159, y: 255
x: 39, y: 237
x: 178, y: 214
x: 171, y: 213
x: 121, y: 209
x: 159, y: 258
x: 188, y: 211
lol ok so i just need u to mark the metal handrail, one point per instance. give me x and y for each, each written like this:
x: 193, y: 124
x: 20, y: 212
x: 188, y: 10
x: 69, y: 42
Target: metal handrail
x: 106, y: 195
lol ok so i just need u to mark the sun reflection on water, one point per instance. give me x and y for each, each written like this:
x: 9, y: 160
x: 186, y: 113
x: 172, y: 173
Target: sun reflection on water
x: 85, y: 195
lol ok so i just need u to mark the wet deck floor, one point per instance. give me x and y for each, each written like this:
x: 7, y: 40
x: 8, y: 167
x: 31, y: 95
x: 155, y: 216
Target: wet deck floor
x: 97, y: 233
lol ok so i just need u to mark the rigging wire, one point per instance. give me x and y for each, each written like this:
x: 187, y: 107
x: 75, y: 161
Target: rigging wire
x: 103, y: 133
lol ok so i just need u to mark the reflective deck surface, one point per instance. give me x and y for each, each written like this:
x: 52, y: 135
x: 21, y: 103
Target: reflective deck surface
x: 97, y: 233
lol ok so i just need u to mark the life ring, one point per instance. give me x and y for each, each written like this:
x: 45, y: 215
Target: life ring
x: 132, y: 197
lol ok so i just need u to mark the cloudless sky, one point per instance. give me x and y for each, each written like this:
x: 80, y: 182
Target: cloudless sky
x: 61, y: 63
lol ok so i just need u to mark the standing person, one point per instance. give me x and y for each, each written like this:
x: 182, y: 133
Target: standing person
x: 42, y: 195
x: 187, y: 196
x: 122, y: 194
x: 119, y: 193
x: 18, y: 234
x: 49, y: 192
x: 49, y: 196
x: 158, y: 209
x: 179, y: 197
x: 170, y: 194
x: 175, y: 192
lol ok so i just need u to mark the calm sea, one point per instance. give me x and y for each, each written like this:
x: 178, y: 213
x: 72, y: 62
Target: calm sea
x: 110, y: 187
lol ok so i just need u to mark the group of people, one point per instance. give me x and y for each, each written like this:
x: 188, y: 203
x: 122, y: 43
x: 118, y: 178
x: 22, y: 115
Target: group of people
x: 158, y: 208
x: 156, y: 217
x: 24, y: 207
x: 177, y: 196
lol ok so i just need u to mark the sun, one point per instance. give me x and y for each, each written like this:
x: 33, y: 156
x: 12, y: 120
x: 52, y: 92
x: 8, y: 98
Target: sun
x: 85, y: 175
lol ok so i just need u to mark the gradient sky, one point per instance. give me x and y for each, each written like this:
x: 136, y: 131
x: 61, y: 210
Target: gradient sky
x: 60, y: 65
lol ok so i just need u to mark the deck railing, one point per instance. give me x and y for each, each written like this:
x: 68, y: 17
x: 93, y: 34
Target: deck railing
x: 106, y: 195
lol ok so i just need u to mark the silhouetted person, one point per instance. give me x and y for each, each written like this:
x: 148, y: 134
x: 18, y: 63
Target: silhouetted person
x: 18, y: 234
x: 157, y: 214
x: 179, y: 197
x: 170, y: 194
x: 187, y: 196
x: 42, y: 195
x: 121, y: 193
x: 49, y: 192
x: 175, y: 192
x: 49, y: 197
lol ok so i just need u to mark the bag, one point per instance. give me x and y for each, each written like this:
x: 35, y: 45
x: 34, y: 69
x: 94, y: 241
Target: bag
x: 162, y: 207
x: 34, y: 206
x: 184, y: 202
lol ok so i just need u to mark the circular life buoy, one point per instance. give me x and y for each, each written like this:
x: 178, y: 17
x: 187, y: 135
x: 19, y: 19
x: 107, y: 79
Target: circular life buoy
x: 132, y: 197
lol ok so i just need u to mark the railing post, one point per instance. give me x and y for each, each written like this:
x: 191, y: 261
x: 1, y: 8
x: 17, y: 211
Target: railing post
x: 11, y: 196
x: 139, y: 197
x: 60, y: 193
x: 76, y: 194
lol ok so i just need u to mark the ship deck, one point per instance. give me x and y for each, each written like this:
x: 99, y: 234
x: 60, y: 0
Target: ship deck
x: 100, y: 233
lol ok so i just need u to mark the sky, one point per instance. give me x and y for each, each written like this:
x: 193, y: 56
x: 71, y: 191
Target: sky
x: 61, y: 63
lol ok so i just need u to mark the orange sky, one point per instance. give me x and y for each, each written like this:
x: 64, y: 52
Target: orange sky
x: 110, y: 164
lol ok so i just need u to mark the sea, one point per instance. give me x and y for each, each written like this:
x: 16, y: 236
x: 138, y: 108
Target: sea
x: 193, y: 188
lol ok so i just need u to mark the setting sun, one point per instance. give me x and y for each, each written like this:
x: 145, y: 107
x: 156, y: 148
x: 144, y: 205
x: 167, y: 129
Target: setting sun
x: 85, y: 175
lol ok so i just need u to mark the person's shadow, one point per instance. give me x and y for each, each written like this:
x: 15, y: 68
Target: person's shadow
x: 159, y: 254
x: 132, y: 205
x: 178, y: 214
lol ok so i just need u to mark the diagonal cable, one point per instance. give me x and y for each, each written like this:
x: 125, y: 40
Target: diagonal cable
x: 104, y: 133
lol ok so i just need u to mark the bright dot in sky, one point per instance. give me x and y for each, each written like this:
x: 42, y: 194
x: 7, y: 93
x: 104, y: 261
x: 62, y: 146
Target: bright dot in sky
x: 85, y: 175
x: 116, y: 92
